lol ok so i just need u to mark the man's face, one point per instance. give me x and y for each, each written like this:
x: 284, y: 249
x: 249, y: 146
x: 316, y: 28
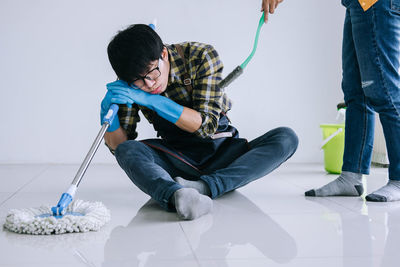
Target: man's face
x: 155, y: 80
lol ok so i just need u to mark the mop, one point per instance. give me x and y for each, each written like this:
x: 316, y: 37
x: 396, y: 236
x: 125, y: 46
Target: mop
x: 69, y: 215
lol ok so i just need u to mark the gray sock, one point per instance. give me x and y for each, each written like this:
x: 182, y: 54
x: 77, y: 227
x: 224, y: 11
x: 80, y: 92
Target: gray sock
x: 199, y: 185
x: 389, y: 192
x: 190, y: 204
x: 347, y: 184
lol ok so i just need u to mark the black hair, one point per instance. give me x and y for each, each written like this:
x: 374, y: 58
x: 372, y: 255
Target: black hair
x: 131, y: 51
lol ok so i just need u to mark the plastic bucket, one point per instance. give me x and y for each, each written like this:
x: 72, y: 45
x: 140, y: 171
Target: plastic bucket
x: 333, y: 146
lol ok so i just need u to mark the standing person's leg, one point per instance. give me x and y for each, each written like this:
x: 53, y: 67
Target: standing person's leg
x: 266, y: 153
x: 151, y: 172
x: 384, y: 90
x: 359, y: 115
x: 375, y: 34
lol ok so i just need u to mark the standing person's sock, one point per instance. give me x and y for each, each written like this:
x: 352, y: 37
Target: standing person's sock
x: 199, y: 185
x: 389, y: 192
x: 347, y: 184
x: 190, y: 204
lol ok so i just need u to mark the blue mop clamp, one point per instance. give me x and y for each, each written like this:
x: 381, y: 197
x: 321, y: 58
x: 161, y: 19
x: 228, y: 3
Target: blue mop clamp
x: 66, y: 198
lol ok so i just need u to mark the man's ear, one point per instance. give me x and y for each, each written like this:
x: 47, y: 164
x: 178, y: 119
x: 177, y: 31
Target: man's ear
x: 164, y: 53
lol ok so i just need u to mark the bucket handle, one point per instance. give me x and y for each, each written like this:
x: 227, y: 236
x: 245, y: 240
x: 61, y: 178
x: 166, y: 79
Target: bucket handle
x: 329, y: 138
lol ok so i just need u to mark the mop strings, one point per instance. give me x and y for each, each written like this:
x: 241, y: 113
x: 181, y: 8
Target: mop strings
x: 260, y: 23
x: 30, y: 221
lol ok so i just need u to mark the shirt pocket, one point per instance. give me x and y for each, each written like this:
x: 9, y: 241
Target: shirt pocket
x: 395, y: 5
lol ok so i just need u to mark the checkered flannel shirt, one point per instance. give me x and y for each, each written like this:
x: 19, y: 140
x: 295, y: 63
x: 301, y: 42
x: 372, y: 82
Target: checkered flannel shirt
x: 205, y: 69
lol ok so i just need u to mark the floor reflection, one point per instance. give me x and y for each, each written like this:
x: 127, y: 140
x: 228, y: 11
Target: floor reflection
x: 236, y: 222
x: 240, y: 229
x: 387, y: 214
x: 368, y: 230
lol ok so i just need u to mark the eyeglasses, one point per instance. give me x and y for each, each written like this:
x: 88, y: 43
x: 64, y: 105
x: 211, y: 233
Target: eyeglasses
x: 150, y: 76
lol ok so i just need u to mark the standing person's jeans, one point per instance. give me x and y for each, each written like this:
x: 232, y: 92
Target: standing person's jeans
x: 371, y: 82
x: 152, y: 171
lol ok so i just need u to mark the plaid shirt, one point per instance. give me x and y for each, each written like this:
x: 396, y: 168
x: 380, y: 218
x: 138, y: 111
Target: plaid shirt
x: 205, y: 68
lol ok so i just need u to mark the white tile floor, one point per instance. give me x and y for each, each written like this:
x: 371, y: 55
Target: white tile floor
x: 266, y: 223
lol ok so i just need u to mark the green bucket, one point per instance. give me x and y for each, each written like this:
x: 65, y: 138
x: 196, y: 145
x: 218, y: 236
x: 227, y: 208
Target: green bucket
x: 333, y: 146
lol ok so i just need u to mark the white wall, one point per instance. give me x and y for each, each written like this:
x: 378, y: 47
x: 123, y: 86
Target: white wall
x: 54, y: 67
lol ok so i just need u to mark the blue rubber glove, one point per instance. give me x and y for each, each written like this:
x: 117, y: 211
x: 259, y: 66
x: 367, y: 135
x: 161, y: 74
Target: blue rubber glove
x: 105, y: 106
x: 125, y: 94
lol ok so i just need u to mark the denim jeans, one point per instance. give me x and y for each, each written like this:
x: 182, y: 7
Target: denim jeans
x: 152, y: 172
x: 371, y: 82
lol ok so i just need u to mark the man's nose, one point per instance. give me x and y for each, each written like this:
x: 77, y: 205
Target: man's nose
x: 149, y: 83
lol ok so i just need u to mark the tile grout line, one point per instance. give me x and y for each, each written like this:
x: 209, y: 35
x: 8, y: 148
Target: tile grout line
x: 23, y: 186
x: 190, y: 245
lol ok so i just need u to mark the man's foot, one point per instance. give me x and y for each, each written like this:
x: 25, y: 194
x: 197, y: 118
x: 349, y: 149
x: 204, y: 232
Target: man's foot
x: 199, y: 185
x: 389, y: 192
x: 347, y: 184
x: 190, y: 204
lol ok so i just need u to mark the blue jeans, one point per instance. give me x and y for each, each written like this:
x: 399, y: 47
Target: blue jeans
x: 152, y: 172
x: 371, y: 82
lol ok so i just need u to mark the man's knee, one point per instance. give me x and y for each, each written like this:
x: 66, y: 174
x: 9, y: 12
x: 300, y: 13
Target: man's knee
x: 287, y: 138
x: 130, y: 149
x: 290, y: 138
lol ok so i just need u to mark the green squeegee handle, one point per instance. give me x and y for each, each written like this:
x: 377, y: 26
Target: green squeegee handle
x: 260, y: 23
x: 239, y: 69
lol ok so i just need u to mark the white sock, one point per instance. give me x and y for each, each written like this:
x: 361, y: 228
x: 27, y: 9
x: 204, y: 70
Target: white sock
x: 199, y: 185
x: 190, y: 204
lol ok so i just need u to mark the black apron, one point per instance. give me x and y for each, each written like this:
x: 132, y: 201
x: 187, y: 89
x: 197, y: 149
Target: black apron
x: 202, y: 155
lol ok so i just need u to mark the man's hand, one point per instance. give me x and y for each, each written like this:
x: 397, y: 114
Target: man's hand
x: 269, y: 6
x: 125, y: 94
x: 185, y: 118
x: 104, y: 107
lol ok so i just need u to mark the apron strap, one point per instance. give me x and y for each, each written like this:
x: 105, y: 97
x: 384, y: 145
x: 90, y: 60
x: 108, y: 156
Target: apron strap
x: 186, y: 77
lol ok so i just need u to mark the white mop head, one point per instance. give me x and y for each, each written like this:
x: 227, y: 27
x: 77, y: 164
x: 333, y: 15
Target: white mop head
x: 26, y: 221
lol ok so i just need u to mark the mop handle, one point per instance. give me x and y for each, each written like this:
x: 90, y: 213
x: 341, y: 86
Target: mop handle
x: 85, y: 164
x: 239, y: 69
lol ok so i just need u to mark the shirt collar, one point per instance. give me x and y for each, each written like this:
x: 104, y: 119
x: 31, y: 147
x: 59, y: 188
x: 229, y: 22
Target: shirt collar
x: 177, y: 68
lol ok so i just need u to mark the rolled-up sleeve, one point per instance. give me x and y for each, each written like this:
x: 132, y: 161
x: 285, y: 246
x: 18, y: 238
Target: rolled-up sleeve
x: 128, y: 119
x: 207, y: 97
